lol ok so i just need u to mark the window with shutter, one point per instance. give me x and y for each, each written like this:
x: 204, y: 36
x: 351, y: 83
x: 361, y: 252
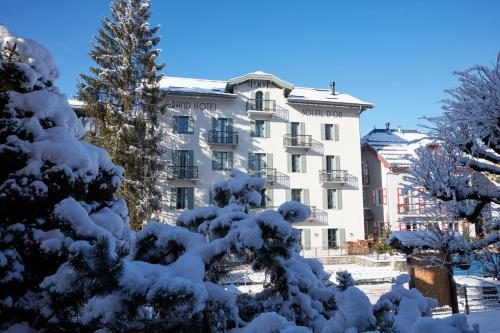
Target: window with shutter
x: 328, y: 131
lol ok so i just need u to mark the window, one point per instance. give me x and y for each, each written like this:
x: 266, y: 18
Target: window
x: 331, y: 196
x: 364, y: 171
x: 328, y: 131
x: 183, y: 124
x: 259, y: 100
x: 182, y: 198
x: 332, y: 238
x: 295, y: 163
x: 263, y: 198
x: 297, y: 194
x: 380, y: 197
x: 259, y: 128
x: 222, y: 161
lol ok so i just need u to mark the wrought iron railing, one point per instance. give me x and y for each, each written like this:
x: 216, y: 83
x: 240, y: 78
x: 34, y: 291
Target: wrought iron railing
x: 338, y: 177
x: 222, y: 137
x: 266, y: 105
x: 318, y: 215
x: 182, y: 172
x: 269, y: 174
x: 297, y: 141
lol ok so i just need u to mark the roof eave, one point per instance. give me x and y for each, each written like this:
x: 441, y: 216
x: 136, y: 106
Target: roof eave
x: 288, y: 87
x: 198, y: 94
x: 360, y: 106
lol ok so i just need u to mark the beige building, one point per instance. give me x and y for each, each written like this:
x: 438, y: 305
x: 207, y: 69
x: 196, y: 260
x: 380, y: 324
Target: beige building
x: 386, y: 158
x: 303, y: 141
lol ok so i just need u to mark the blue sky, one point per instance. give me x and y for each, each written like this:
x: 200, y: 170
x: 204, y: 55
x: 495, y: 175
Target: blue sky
x: 399, y: 55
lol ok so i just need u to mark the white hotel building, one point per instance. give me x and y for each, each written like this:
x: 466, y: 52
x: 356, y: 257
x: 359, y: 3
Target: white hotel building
x: 304, y: 141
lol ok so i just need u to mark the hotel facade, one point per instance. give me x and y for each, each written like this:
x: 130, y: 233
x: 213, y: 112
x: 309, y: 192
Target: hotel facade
x: 303, y: 141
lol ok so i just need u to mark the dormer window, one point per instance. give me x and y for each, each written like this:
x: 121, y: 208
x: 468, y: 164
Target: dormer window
x: 259, y: 100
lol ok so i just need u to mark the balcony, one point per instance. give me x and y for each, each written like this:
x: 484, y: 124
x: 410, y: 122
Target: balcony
x: 224, y: 138
x: 411, y: 209
x: 182, y: 172
x: 261, y: 108
x: 342, y: 177
x: 269, y: 174
x: 318, y: 216
x: 297, y: 141
x: 272, y: 176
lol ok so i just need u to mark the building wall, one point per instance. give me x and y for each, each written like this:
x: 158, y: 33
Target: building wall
x: 383, y: 177
x: 350, y: 217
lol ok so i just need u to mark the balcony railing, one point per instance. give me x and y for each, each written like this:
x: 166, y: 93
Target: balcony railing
x: 269, y: 174
x: 265, y: 107
x: 222, y: 138
x: 297, y: 141
x: 318, y: 216
x: 182, y: 172
x: 341, y: 177
x: 411, y: 209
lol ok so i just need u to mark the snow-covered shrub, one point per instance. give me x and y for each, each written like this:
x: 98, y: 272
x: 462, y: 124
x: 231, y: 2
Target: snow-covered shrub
x: 63, y: 233
x: 407, y: 310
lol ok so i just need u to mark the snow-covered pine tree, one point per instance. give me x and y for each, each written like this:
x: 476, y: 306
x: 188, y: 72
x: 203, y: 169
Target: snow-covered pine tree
x: 344, y: 280
x: 460, y: 172
x: 62, y: 232
x: 123, y: 97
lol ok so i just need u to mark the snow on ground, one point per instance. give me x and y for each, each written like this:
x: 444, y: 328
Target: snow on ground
x: 363, y: 274
x: 488, y: 321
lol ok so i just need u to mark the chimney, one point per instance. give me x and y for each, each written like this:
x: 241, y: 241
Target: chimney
x: 332, y: 87
x: 387, y: 125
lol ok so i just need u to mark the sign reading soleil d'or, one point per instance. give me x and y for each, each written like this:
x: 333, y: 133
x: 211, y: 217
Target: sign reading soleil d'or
x: 187, y: 105
x: 322, y: 113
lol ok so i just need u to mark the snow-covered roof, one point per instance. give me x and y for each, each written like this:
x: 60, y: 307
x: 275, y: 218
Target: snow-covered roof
x: 396, y: 146
x: 195, y: 87
x: 76, y: 104
x: 300, y: 95
x: 224, y: 89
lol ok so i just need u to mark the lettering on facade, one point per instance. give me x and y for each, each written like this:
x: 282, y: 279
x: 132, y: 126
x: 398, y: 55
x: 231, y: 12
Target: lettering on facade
x: 322, y: 113
x: 187, y: 105
x: 259, y: 84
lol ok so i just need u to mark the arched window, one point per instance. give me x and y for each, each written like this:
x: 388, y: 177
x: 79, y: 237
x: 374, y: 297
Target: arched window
x: 259, y: 100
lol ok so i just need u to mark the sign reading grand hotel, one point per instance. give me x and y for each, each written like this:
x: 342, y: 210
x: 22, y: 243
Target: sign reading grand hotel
x: 188, y: 105
x: 322, y: 113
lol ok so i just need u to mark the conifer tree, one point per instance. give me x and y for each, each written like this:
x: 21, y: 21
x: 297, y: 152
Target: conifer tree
x: 123, y: 97
x: 62, y: 232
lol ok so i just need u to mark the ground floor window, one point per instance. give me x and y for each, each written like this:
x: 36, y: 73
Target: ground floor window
x: 332, y: 238
x: 181, y: 197
x: 297, y: 194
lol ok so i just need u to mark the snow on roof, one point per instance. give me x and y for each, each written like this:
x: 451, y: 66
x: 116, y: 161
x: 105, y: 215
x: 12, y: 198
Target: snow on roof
x: 224, y: 89
x: 76, y: 104
x: 259, y: 75
x: 395, y: 146
x: 323, y: 96
x: 188, y: 86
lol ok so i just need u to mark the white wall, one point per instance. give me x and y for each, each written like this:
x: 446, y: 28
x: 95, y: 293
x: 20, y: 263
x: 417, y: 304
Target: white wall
x: 350, y: 217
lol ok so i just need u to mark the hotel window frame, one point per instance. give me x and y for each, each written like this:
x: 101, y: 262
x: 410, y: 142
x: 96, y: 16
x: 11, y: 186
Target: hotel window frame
x: 186, y: 126
x: 222, y: 160
x: 259, y: 100
x: 296, y: 193
x: 296, y: 163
